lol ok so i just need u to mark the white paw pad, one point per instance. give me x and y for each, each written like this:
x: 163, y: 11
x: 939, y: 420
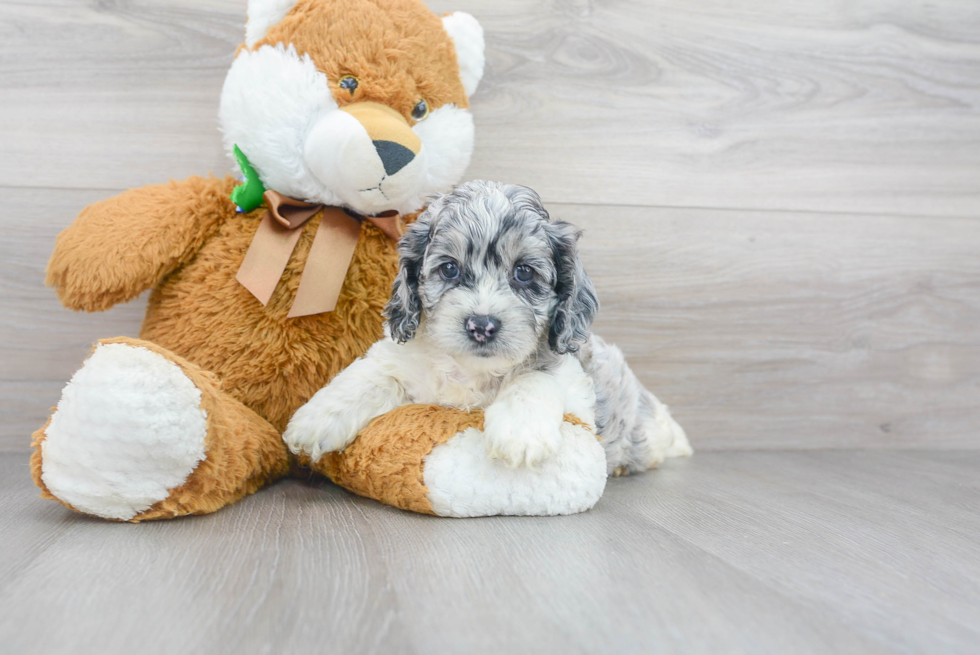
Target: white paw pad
x: 129, y: 428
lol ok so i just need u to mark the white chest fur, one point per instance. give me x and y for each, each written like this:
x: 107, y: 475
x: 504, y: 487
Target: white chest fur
x: 429, y: 376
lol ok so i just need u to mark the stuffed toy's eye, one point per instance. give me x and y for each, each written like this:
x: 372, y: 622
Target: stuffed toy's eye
x: 348, y: 82
x: 449, y: 271
x: 421, y: 110
x: 523, y: 273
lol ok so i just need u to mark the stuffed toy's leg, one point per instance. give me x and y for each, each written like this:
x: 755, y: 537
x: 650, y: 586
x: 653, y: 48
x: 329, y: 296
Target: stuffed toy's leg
x: 434, y: 460
x: 140, y: 433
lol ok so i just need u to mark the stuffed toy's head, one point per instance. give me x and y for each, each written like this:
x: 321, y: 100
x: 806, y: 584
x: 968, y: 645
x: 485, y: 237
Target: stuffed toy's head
x: 355, y: 103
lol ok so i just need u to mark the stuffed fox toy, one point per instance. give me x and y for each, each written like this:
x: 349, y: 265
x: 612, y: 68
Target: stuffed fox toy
x: 343, y: 117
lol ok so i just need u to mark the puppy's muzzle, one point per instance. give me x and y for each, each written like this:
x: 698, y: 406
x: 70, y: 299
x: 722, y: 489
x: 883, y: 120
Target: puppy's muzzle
x: 482, y: 329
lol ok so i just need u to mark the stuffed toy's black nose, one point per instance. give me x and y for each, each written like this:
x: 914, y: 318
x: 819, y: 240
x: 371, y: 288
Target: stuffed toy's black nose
x: 393, y: 155
x: 482, y: 328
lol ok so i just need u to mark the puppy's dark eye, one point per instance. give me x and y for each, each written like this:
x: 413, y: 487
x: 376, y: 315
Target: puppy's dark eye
x: 449, y: 271
x: 523, y: 273
x: 348, y: 82
x: 420, y: 110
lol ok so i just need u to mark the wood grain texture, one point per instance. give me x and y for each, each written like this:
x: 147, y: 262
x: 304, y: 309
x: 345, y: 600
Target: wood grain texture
x: 41, y: 343
x: 760, y: 329
x: 789, y: 330
x: 823, y: 552
x: 802, y: 105
x: 113, y: 95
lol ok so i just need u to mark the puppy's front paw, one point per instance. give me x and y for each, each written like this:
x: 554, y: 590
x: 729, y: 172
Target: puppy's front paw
x: 520, y: 437
x: 315, y: 430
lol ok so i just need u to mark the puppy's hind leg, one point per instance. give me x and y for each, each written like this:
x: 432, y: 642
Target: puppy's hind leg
x: 637, y: 429
x: 657, y: 435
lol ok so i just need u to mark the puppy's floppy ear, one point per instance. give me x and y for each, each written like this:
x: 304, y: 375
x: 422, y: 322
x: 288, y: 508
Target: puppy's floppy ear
x: 577, y: 303
x: 405, y: 308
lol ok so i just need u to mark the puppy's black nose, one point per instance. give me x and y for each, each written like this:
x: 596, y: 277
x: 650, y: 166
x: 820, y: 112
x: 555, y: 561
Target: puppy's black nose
x: 482, y: 328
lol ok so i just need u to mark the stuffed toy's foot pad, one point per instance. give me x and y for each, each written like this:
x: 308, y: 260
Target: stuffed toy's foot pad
x: 129, y: 427
x: 463, y: 481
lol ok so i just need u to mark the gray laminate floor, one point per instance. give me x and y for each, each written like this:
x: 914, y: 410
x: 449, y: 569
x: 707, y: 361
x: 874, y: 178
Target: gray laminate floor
x: 749, y: 552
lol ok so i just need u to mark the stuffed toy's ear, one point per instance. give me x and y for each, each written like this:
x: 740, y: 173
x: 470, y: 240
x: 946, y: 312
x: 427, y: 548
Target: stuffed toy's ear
x: 263, y: 14
x: 577, y: 302
x: 467, y: 36
x: 404, y: 309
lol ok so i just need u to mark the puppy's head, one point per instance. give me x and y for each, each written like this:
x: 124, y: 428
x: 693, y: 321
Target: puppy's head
x: 484, y: 272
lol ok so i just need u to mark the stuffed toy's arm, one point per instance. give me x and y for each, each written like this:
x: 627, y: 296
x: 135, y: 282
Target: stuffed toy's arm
x: 120, y: 247
x: 338, y: 412
x: 523, y: 425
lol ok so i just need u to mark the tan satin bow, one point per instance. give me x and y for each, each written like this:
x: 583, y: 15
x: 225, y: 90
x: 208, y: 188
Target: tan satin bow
x: 329, y: 258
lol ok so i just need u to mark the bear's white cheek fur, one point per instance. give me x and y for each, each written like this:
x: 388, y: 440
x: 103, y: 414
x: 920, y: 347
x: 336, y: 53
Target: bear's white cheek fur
x: 339, y: 152
x: 270, y: 98
x: 447, y: 141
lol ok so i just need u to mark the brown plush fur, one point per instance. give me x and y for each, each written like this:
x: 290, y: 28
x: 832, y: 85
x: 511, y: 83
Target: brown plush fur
x: 200, y: 312
x: 94, y: 264
x: 271, y: 363
x: 184, y: 240
x: 392, y: 470
x: 418, y: 57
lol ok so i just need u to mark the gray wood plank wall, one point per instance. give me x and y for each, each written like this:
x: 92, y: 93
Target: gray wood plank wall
x: 782, y: 200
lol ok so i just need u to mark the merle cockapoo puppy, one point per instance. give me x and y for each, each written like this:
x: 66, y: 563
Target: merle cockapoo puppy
x: 492, y: 310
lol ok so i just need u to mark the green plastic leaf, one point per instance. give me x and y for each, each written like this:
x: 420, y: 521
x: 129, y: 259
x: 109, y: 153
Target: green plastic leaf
x: 248, y: 194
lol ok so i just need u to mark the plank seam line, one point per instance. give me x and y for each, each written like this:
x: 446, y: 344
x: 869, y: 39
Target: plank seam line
x: 755, y: 210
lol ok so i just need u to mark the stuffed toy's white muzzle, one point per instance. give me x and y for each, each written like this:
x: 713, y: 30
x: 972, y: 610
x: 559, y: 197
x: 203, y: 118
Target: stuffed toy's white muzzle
x: 368, y: 152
